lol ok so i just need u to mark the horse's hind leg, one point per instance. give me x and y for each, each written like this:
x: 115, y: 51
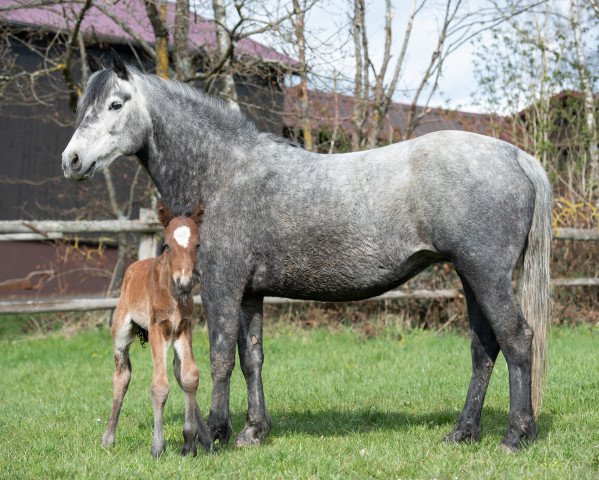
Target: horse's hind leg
x: 123, y: 335
x: 187, y: 375
x: 496, y: 298
x: 484, y: 349
x: 251, y: 358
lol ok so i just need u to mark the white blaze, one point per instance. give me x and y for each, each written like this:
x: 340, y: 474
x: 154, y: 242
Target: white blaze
x: 182, y: 235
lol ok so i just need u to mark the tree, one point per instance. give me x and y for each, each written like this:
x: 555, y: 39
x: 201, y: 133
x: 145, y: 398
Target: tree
x: 547, y: 87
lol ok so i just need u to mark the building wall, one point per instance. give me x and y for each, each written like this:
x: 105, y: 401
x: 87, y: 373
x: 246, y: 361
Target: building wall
x: 32, y: 186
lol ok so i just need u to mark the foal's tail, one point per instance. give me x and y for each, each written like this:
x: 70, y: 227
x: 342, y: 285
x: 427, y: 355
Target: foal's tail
x: 535, y: 284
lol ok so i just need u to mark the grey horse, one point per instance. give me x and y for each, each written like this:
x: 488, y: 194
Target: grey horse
x: 286, y: 222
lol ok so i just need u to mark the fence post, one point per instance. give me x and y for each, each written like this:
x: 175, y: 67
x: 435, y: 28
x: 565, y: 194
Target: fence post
x: 148, y: 242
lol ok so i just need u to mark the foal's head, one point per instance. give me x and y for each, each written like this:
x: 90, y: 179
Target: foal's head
x: 181, y: 242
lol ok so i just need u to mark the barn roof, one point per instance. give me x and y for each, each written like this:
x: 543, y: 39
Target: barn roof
x: 101, y: 26
x: 324, y: 106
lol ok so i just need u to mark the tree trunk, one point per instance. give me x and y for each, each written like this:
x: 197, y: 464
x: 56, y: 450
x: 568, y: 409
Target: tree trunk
x: 225, y: 83
x: 303, y: 71
x: 181, y: 56
x: 157, y: 15
x: 589, y: 102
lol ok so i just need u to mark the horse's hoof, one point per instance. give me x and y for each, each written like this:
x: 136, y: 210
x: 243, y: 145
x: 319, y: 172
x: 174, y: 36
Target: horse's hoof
x: 107, y: 440
x: 192, y: 450
x: 461, y: 435
x: 158, y: 450
x: 508, y: 448
x: 220, y: 430
x: 519, y: 435
x: 252, y: 434
x: 206, y: 443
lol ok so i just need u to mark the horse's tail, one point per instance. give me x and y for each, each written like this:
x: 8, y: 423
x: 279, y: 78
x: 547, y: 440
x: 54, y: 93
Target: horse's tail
x: 535, y: 283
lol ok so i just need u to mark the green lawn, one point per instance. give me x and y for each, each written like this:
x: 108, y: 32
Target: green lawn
x: 342, y: 407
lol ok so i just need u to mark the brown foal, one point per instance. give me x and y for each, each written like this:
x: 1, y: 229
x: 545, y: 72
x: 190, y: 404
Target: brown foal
x: 156, y: 302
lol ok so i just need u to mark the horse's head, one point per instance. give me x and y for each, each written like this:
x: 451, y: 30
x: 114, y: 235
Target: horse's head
x: 181, y: 242
x: 112, y: 121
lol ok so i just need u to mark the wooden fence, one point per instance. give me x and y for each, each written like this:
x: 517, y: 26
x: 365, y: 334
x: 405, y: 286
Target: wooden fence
x: 148, y: 229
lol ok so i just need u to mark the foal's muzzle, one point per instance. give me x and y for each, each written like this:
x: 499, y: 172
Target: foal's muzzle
x: 183, y: 286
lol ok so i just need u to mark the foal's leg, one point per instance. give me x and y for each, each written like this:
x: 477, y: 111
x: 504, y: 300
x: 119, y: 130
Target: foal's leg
x: 484, y: 350
x: 187, y: 375
x: 514, y: 336
x: 251, y: 357
x: 159, y: 336
x: 123, y: 336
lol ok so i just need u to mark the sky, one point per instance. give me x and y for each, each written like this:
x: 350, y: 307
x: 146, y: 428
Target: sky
x: 458, y: 81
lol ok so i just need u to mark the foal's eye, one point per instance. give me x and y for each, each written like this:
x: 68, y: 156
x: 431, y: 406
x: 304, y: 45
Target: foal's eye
x: 115, y: 106
x: 165, y: 247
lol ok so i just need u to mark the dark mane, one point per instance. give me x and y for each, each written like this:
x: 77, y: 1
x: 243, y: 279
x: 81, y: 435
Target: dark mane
x: 279, y: 139
x: 214, y: 109
x: 97, y: 88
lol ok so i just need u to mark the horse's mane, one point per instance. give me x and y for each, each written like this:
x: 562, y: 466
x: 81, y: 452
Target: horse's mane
x: 214, y: 109
x: 97, y: 87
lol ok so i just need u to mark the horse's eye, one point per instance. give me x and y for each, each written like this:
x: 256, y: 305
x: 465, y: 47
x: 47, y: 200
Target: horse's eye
x: 197, y: 246
x: 115, y: 106
x: 165, y: 247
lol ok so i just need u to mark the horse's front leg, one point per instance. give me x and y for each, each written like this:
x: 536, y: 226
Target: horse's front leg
x: 222, y: 312
x: 187, y: 375
x: 251, y: 357
x: 159, y: 336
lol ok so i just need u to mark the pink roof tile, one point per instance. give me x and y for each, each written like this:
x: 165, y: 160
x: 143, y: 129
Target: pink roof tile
x: 133, y: 13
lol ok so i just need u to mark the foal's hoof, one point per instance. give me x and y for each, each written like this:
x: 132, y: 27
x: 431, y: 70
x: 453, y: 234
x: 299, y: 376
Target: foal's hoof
x: 158, y: 450
x: 461, y: 435
x: 253, y: 433
x: 107, y: 440
x: 206, y: 442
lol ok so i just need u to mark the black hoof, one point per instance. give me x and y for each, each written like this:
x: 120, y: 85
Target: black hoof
x: 253, y: 433
x: 462, y: 434
x: 519, y: 436
x: 189, y: 450
x: 221, y: 430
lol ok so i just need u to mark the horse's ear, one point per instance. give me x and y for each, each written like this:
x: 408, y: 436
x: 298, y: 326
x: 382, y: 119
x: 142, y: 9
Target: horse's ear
x: 118, y: 66
x: 198, y: 214
x: 93, y: 64
x: 164, y: 214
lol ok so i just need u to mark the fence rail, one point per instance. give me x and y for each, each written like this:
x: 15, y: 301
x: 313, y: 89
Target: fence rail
x: 44, y: 229
x: 148, y: 227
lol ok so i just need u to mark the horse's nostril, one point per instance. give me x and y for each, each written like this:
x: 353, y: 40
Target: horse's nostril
x: 75, y: 162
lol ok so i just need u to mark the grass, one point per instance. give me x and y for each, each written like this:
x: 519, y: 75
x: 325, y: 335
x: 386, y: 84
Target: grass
x: 342, y: 407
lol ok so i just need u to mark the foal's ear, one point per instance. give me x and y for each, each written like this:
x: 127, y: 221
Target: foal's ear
x: 93, y: 64
x: 118, y: 66
x: 164, y: 214
x: 198, y: 214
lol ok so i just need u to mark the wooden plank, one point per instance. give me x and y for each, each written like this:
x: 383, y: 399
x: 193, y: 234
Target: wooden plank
x: 577, y: 234
x: 20, y: 237
x: 576, y: 282
x: 89, y: 304
x: 45, y: 227
x: 80, y: 226
x: 148, y: 242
